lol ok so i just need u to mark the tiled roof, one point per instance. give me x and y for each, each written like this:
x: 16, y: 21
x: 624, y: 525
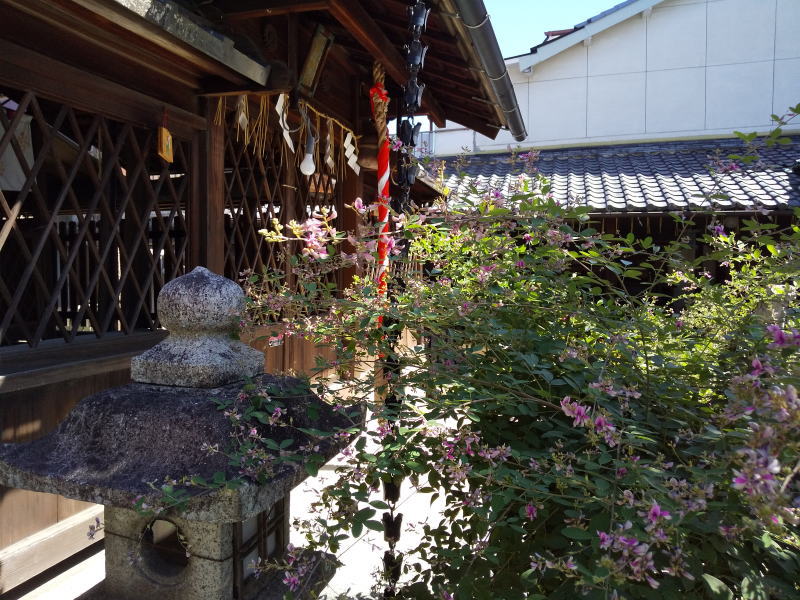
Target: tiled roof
x: 655, y: 177
x: 551, y: 36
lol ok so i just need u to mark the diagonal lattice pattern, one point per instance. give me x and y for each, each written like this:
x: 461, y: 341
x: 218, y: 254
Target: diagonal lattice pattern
x: 92, y: 222
x: 260, y: 187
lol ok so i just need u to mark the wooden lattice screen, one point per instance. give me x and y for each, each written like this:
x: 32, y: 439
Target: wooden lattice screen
x: 260, y: 187
x: 92, y: 222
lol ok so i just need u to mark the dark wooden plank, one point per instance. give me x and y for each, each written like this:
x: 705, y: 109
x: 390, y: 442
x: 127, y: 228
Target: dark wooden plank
x: 20, y: 67
x: 253, y: 9
x: 55, y: 354
x: 114, y: 29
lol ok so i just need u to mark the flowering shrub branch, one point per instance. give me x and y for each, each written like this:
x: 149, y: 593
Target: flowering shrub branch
x: 599, y: 415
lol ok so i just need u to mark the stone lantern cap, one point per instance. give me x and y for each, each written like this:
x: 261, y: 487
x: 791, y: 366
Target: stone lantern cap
x: 201, y: 310
x: 114, y: 442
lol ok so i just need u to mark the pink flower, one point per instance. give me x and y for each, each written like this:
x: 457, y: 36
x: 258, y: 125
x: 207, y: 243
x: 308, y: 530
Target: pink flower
x: 607, y: 429
x: 530, y: 511
x: 779, y: 337
x: 578, y: 412
x: 605, y: 540
x: 655, y: 514
x: 291, y: 581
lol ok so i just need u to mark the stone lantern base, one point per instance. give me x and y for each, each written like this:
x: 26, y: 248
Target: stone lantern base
x: 137, y: 566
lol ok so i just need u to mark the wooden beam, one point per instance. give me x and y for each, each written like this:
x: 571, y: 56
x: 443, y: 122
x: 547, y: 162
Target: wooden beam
x: 472, y: 121
x: 25, y: 368
x: 34, y: 554
x: 368, y: 33
x: 254, y: 9
x: 118, y: 30
x: 20, y: 67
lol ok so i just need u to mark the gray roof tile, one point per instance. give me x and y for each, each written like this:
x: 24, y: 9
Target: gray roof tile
x: 652, y: 177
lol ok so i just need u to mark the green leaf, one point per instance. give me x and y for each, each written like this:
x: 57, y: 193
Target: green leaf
x: 357, y: 528
x: 767, y: 540
x: 576, y: 534
x: 364, y: 514
x: 717, y: 588
x: 374, y: 525
x: 753, y: 588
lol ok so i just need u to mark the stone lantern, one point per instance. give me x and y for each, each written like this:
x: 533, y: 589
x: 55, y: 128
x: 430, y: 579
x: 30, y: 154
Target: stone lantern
x: 115, y: 446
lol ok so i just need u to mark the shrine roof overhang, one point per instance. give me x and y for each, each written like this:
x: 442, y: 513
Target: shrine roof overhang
x: 184, y: 48
x: 465, y: 76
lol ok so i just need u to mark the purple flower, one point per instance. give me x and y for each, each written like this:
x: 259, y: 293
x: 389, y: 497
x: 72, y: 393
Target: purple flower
x: 291, y: 581
x: 779, y: 339
x: 655, y: 514
x: 605, y: 540
x: 577, y: 411
x: 757, y: 475
x: 530, y: 511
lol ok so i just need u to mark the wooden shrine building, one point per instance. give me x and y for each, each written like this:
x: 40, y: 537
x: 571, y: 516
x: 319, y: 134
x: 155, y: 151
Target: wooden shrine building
x: 94, y: 221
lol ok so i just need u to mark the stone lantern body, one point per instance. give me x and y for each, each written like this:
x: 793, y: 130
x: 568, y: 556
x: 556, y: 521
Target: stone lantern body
x: 119, y: 446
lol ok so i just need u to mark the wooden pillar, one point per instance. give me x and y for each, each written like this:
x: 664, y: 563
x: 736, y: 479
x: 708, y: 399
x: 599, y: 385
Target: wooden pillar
x: 194, y: 210
x: 212, y: 194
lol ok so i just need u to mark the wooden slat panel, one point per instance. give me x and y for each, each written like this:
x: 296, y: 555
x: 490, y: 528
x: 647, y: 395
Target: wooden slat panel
x: 68, y: 507
x: 39, y: 552
x: 23, y: 513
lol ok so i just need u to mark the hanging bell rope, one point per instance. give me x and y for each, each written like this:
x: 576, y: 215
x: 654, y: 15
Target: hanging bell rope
x: 379, y: 100
x: 222, y: 106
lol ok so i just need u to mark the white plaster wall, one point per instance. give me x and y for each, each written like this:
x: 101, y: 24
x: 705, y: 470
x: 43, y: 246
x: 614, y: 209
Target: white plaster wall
x: 691, y: 68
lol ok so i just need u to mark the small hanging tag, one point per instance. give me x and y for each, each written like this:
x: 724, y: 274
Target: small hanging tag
x: 165, y: 144
x: 349, y: 148
x: 353, y: 164
x: 243, y: 118
x: 165, y: 150
x: 329, y: 147
x: 280, y: 106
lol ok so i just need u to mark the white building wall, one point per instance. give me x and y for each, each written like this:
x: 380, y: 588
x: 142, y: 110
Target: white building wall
x: 685, y: 69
